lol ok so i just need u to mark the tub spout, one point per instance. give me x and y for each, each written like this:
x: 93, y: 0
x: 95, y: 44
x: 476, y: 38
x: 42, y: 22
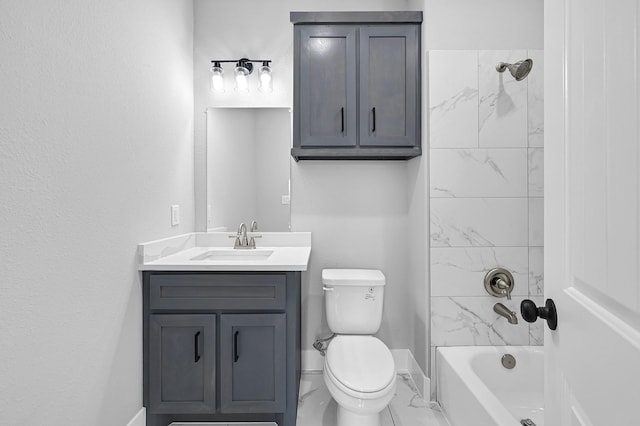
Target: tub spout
x: 502, y: 310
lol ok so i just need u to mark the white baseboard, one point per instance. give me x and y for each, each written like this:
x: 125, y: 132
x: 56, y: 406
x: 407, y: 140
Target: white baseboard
x: 312, y: 360
x: 140, y: 419
x: 405, y: 361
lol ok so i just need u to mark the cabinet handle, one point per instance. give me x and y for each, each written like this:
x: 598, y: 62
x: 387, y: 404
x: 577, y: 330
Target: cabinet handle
x: 196, y: 347
x: 374, y: 119
x: 236, y: 356
x: 342, y: 119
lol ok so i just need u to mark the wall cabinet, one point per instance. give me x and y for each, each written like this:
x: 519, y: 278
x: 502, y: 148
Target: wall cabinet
x: 221, y: 346
x: 356, y: 85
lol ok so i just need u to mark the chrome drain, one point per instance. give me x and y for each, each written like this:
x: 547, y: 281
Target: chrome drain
x: 527, y: 422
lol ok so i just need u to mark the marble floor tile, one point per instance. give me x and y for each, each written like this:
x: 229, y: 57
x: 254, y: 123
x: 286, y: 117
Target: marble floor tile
x: 317, y: 408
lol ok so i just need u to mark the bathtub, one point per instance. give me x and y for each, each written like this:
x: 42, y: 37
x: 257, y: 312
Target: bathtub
x: 473, y: 387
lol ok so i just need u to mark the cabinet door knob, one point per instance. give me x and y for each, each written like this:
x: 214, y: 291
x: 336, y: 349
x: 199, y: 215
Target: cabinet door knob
x: 196, y: 347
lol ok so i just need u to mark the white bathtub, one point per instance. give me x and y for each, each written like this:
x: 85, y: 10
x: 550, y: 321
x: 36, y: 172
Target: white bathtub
x: 473, y: 388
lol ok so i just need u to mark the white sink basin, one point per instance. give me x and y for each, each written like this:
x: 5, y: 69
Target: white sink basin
x: 235, y: 254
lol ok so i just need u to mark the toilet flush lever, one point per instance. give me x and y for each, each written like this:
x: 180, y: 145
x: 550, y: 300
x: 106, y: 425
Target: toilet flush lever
x: 327, y: 288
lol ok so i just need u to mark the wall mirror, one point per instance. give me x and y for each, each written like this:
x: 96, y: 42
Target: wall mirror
x: 248, y: 168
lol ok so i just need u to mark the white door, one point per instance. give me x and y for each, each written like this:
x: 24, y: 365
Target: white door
x: 592, y: 212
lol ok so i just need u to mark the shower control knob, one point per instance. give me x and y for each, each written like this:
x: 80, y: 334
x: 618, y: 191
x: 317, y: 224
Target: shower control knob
x: 530, y: 312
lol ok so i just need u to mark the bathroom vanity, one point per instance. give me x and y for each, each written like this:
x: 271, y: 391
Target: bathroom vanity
x: 222, y: 329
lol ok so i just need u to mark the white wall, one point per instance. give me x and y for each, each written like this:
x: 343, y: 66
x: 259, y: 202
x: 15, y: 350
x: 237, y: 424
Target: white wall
x: 481, y: 24
x: 96, y: 142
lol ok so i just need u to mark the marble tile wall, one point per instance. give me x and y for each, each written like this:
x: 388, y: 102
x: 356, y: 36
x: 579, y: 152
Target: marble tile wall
x: 486, y: 193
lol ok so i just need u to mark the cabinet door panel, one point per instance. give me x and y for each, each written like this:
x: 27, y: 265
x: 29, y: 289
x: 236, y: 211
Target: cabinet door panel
x: 389, y: 89
x: 182, y: 364
x: 327, y: 79
x: 253, y: 361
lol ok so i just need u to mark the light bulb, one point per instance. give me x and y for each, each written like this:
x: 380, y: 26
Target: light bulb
x: 242, y: 85
x: 266, y: 81
x: 216, y: 79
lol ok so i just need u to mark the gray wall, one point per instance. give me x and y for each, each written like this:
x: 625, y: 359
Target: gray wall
x: 96, y: 143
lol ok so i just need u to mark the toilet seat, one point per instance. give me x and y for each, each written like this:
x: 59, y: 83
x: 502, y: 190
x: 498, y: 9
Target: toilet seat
x: 361, y: 366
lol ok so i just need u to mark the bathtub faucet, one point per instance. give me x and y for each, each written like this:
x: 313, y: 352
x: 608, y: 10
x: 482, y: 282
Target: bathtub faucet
x: 502, y: 310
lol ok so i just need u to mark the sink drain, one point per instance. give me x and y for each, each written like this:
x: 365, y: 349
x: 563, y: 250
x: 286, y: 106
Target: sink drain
x: 527, y: 422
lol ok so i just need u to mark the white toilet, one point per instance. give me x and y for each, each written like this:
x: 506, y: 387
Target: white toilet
x: 358, y: 368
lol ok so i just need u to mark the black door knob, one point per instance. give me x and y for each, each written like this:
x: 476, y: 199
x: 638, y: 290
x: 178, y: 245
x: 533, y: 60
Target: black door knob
x: 530, y: 312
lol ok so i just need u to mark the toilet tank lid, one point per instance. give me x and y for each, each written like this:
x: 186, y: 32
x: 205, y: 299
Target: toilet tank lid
x: 354, y: 277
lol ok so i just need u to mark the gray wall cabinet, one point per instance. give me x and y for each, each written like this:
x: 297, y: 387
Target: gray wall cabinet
x: 356, y: 85
x: 221, y: 346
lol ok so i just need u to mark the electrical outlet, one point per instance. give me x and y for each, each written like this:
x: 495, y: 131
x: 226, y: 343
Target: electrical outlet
x: 286, y: 199
x: 175, y: 215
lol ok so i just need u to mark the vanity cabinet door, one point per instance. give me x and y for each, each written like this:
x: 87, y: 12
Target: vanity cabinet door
x: 325, y: 79
x: 388, y: 85
x: 182, y: 364
x: 252, y: 363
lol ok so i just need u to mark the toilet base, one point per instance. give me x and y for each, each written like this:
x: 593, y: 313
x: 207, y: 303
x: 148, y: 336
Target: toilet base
x: 349, y: 418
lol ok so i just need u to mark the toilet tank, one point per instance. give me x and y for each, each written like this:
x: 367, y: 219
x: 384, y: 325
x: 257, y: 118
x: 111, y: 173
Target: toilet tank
x: 353, y: 300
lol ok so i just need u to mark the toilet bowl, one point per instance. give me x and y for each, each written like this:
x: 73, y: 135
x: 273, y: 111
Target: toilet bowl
x: 360, y: 375
x: 358, y: 368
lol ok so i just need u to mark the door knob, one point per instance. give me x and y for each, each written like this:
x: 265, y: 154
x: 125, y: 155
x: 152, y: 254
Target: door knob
x: 530, y: 312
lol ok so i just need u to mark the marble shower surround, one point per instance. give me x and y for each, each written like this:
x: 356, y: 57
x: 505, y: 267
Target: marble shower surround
x: 486, y: 193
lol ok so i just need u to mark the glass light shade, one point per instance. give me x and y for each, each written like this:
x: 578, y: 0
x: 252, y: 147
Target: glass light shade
x: 266, y: 80
x: 217, y: 81
x: 242, y: 85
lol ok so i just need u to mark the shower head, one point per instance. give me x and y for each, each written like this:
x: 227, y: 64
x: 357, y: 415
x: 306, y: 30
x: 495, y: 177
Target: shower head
x: 519, y: 70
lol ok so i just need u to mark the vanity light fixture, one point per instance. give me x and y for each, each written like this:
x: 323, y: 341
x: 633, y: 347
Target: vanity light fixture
x: 243, y: 68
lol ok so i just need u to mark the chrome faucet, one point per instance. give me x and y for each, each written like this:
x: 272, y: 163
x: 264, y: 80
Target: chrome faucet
x: 242, y: 240
x: 502, y: 310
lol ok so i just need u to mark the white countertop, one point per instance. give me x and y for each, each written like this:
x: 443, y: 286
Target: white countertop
x: 289, y: 251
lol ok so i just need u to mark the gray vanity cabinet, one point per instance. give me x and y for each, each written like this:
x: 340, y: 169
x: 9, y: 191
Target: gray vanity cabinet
x: 356, y: 85
x: 221, y: 347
